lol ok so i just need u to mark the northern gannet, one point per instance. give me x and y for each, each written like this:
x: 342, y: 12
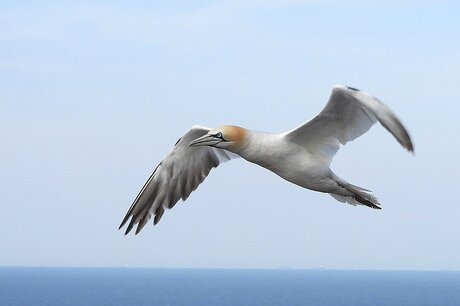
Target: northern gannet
x: 301, y: 156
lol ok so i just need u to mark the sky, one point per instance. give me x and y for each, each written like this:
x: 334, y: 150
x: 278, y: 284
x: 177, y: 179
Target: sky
x: 94, y: 94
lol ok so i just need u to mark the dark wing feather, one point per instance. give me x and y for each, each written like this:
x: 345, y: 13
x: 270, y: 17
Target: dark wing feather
x: 348, y: 114
x: 177, y: 175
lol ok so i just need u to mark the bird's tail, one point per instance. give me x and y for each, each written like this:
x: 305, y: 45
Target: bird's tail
x: 355, y: 195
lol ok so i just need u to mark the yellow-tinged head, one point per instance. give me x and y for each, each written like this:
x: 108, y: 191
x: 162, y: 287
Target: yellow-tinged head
x: 228, y: 137
x: 231, y: 133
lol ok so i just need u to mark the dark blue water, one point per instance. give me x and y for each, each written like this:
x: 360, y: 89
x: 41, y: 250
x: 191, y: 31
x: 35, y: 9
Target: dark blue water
x: 107, y: 286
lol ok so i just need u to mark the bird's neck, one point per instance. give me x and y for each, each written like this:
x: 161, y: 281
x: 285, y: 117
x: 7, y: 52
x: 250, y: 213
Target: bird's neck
x: 258, y: 147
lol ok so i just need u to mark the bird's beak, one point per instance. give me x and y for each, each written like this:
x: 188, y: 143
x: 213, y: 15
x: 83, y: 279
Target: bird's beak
x: 206, y: 140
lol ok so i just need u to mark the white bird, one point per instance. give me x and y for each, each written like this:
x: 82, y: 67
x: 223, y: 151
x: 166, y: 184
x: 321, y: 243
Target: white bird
x: 301, y: 156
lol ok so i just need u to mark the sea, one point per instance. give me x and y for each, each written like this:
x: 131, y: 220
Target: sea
x: 146, y: 286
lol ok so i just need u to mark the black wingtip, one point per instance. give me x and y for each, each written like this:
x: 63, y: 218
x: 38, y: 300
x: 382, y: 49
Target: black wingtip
x: 352, y: 88
x: 122, y: 223
x: 138, y: 229
x: 407, y: 143
x: 410, y: 146
x: 130, y: 226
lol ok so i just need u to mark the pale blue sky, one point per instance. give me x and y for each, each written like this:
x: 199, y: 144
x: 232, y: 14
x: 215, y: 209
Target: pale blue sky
x: 93, y: 95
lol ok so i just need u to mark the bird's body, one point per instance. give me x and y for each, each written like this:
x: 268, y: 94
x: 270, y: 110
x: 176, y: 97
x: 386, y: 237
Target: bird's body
x: 285, y: 158
x: 301, y: 156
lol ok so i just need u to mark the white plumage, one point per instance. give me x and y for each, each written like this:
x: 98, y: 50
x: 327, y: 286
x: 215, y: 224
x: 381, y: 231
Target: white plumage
x: 301, y: 156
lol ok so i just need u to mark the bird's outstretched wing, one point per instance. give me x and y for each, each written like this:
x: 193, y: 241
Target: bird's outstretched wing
x: 177, y: 175
x: 348, y: 114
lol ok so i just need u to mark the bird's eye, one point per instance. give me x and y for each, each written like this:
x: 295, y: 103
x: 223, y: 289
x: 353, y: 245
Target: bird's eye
x: 219, y: 135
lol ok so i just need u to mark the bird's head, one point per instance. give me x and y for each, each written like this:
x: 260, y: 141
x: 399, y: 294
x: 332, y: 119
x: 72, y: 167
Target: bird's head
x: 225, y: 137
